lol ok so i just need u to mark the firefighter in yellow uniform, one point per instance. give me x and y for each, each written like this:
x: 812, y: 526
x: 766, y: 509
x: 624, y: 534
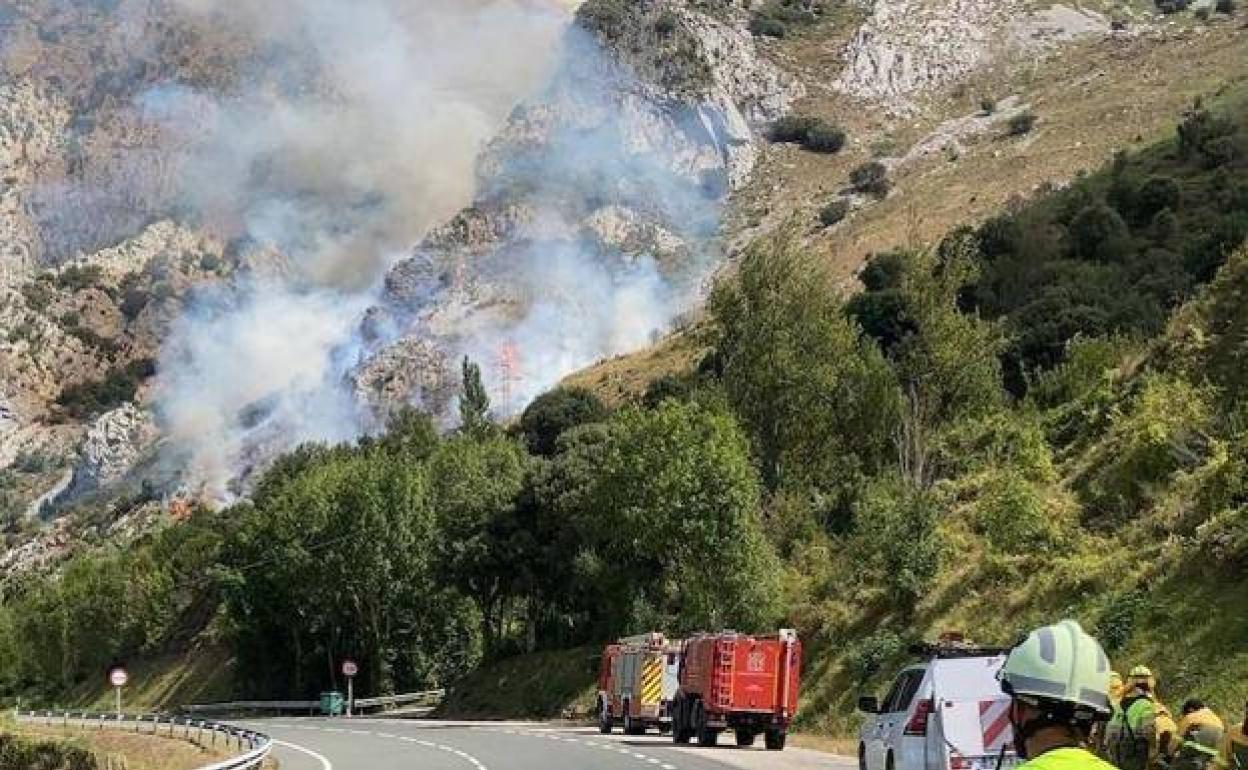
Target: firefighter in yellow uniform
x: 1234, y: 753
x: 1058, y: 682
x: 1140, y: 733
x: 1198, y: 735
x: 1117, y: 687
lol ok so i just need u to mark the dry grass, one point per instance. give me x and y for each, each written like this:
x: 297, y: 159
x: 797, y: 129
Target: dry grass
x: 845, y: 747
x: 625, y: 378
x: 141, y: 752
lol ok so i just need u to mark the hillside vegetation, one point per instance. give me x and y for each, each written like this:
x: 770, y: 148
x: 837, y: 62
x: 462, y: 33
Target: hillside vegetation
x: 1042, y: 416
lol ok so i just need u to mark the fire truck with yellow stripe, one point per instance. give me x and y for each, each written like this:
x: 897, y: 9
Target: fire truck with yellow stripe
x: 636, y: 683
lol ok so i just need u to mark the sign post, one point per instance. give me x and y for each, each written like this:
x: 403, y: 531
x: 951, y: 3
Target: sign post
x: 349, y: 670
x: 118, y: 677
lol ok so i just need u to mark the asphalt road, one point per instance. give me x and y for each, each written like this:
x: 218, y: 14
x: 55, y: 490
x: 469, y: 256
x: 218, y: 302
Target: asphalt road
x: 381, y: 744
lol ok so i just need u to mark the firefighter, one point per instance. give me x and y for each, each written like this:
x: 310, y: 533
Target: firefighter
x: 1198, y: 735
x: 1131, y: 737
x: 1234, y: 753
x: 1058, y: 682
x: 1117, y: 687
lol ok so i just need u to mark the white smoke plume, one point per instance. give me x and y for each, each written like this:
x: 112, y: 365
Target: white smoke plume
x: 358, y: 128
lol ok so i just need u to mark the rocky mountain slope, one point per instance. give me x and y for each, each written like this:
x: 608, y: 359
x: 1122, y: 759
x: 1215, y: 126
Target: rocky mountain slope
x: 594, y: 216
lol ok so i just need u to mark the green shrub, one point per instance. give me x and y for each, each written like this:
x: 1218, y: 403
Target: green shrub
x: 79, y: 277
x: 814, y: 134
x: 867, y: 656
x: 988, y: 105
x: 1225, y: 6
x: 834, y: 212
x: 38, y: 295
x: 1099, y: 233
x: 764, y: 26
x: 92, y: 398
x: 1010, y: 513
x: 824, y: 138
x: 1023, y: 123
x: 871, y: 179
x: 1156, y: 194
x: 895, y: 526
x: 1199, y: 128
x: 1116, y: 623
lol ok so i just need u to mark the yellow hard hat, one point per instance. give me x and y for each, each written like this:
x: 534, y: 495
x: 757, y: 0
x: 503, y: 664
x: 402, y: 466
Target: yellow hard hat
x: 1143, y: 675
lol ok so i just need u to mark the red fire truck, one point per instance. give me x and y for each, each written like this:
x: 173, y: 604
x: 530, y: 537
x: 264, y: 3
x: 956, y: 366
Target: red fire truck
x: 731, y: 681
x: 636, y: 683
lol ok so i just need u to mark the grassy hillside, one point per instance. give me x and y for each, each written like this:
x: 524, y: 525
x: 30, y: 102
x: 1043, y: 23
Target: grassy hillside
x: 544, y: 685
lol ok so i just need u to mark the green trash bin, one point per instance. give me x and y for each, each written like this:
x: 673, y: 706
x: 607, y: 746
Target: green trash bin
x: 333, y: 704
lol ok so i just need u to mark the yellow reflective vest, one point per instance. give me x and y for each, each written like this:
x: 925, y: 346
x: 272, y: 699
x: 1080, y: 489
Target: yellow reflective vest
x: 1066, y: 759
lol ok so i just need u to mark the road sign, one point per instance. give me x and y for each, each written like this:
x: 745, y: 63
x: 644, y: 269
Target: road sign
x: 349, y: 668
x: 118, y: 677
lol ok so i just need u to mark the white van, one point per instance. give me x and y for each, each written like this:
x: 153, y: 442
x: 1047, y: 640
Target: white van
x: 946, y: 714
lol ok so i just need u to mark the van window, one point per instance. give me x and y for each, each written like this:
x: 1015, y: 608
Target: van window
x: 902, y: 692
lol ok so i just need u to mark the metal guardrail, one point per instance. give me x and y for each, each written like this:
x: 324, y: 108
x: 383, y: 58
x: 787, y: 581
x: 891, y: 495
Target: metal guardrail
x: 252, y: 705
x: 254, y: 747
x: 427, y: 698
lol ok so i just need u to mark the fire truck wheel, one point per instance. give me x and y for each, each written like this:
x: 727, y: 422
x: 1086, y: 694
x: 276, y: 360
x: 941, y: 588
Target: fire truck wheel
x: 665, y: 728
x: 605, y: 722
x: 630, y: 724
x: 746, y: 737
x: 775, y: 740
x: 706, y: 736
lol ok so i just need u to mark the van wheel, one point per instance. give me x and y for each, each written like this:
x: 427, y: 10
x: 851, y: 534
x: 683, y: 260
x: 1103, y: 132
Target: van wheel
x: 775, y: 740
x: 605, y: 722
x: 889, y: 764
x: 862, y: 756
x: 746, y: 737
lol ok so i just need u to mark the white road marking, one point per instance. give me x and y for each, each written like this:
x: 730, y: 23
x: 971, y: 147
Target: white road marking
x: 325, y: 763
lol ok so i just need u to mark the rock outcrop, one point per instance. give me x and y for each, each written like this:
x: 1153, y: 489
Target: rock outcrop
x: 910, y: 48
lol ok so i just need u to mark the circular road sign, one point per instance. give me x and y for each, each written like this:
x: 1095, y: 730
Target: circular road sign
x: 118, y: 677
x: 349, y: 668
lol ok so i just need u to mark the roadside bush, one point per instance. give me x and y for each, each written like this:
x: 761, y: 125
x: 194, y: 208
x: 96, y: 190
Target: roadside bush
x: 871, y: 179
x: 1023, y: 123
x: 834, y: 212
